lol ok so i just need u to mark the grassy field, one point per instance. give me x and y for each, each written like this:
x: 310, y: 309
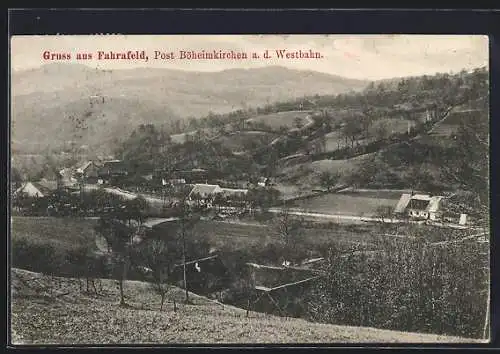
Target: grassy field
x: 242, y: 235
x: 222, y: 233
x: 287, y: 119
x: 66, y: 233
x: 355, y: 204
x: 241, y: 141
x: 49, y: 310
x: 69, y: 233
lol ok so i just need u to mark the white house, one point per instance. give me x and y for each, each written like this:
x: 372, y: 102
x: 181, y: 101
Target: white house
x: 207, y: 193
x: 37, y: 189
x: 419, y: 206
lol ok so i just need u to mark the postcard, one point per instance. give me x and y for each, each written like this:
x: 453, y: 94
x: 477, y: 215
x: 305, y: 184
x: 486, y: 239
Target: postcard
x: 249, y: 189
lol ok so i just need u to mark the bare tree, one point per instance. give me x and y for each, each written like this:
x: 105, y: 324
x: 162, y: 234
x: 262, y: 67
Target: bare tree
x: 158, y: 267
x: 289, y: 228
x: 118, y: 235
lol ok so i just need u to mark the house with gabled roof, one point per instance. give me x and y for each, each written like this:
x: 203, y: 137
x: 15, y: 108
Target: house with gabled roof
x: 37, y: 189
x: 419, y: 206
x: 205, y: 191
x: 89, y: 171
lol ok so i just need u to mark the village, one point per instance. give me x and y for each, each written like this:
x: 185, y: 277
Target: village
x: 161, y: 205
x: 163, y: 188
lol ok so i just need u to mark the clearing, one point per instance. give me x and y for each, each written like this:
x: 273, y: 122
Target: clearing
x: 348, y: 203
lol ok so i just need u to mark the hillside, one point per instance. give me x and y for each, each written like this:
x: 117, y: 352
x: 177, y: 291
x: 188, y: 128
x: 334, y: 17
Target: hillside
x: 113, y: 102
x: 49, y: 310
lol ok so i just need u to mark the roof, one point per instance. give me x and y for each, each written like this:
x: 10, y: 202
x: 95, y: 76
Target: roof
x: 231, y: 191
x: 314, y: 260
x: 434, y: 204
x: 418, y: 201
x: 43, y: 187
x: 205, y: 189
x: 84, y: 167
x: 424, y: 197
x: 403, y: 203
x: 113, y: 166
x: 152, y: 222
x: 418, y: 204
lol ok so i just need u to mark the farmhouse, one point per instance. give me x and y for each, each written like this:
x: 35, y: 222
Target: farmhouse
x: 419, y: 206
x: 205, y: 193
x: 89, y: 172
x: 67, y: 176
x: 112, y: 169
x: 180, y: 176
x: 38, y: 189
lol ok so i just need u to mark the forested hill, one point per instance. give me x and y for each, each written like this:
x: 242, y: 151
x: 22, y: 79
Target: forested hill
x: 402, y: 134
x: 72, y: 105
x: 350, y: 120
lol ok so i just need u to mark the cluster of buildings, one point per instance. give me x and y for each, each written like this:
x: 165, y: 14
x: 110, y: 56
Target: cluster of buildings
x: 410, y: 205
x: 69, y: 178
x: 207, y: 194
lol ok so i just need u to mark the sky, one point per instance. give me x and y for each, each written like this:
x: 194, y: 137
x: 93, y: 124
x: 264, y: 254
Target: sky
x: 369, y: 57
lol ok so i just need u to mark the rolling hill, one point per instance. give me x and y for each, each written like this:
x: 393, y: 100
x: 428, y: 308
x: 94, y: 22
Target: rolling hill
x: 113, y: 102
x: 49, y: 310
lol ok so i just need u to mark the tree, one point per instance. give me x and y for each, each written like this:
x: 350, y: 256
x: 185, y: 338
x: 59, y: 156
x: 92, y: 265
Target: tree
x: 289, y: 228
x: 16, y: 177
x: 88, y: 265
x: 467, y: 165
x: 159, y: 263
x: 262, y: 198
x: 410, y: 285
x: 328, y: 180
x: 135, y: 209
x: 118, y: 237
x: 352, y: 129
x: 380, y: 130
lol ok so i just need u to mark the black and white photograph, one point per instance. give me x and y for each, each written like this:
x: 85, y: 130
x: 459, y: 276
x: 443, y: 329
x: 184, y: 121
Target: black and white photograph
x: 249, y: 189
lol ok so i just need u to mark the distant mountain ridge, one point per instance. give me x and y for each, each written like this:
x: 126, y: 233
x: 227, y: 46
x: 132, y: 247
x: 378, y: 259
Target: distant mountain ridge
x: 114, y: 102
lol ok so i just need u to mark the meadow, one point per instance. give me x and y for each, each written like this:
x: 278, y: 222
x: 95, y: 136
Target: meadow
x: 64, y: 233
x: 349, y: 203
x: 282, y: 119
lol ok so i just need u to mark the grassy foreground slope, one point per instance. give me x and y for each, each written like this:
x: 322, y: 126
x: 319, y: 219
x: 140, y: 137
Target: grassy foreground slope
x: 49, y: 310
